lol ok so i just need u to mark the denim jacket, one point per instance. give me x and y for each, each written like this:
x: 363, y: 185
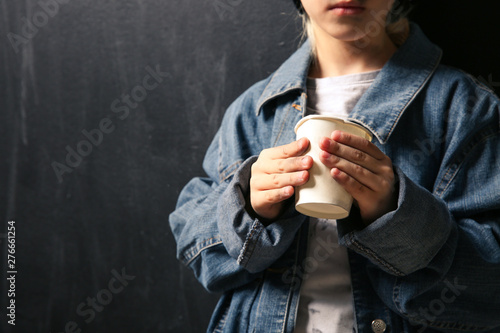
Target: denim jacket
x: 431, y: 265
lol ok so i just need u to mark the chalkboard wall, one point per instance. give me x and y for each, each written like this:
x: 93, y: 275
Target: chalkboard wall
x: 106, y: 110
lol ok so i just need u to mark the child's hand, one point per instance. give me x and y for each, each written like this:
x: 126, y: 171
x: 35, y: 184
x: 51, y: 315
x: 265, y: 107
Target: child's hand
x: 275, y: 174
x: 363, y: 170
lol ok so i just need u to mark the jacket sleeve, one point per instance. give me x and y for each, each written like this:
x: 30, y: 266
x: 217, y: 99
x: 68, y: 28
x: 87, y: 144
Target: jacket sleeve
x: 216, y: 237
x: 440, y: 250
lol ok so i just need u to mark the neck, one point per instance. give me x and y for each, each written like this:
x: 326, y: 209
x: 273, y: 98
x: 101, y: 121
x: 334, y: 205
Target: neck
x: 336, y: 57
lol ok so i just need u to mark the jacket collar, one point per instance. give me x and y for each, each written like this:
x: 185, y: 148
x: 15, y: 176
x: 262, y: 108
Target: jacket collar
x: 380, y: 108
x: 291, y: 75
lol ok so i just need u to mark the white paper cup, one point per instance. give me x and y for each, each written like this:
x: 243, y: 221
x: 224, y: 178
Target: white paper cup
x: 322, y: 196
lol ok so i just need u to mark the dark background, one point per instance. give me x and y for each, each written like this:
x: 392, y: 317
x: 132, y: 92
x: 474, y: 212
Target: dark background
x: 109, y: 215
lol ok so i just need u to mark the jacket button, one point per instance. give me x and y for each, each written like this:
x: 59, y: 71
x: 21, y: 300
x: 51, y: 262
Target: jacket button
x: 378, y: 326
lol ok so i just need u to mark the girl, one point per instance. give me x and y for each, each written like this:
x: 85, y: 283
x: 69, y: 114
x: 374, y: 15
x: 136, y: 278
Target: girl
x: 420, y: 249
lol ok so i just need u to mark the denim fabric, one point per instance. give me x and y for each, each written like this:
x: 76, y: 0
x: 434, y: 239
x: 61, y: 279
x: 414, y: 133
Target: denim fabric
x: 432, y: 265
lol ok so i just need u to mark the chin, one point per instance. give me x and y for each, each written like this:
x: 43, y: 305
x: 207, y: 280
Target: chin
x: 351, y: 35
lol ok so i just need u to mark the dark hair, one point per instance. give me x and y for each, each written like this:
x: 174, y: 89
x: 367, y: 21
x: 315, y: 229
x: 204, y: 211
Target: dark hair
x: 400, y: 9
x: 298, y: 4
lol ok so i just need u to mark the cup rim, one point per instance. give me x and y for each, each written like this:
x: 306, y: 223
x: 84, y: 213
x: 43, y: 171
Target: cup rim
x: 334, y: 119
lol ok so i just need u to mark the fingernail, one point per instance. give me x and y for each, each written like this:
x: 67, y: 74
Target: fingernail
x: 301, y: 177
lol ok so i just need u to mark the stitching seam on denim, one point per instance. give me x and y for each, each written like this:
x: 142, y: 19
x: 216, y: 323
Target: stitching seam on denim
x: 222, y: 322
x: 374, y: 256
x: 432, y: 69
x: 446, y: 181
x: 261, y: 288
x: 281, y: 129
x: 284, y: 92
x: 196, y: 250
x: 396, y: 292
x: 248, y: 248
x: 227, y: 172
x: 292, y: 287
x: 450, y: 325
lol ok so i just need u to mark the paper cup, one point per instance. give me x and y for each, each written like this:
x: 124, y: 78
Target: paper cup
x: 322, y: 196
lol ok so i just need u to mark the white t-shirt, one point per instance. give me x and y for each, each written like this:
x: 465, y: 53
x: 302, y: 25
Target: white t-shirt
x: 326, y: 304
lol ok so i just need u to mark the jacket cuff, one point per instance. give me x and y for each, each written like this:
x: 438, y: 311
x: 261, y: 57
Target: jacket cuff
x: 254, y: 245
x: 406, y: 239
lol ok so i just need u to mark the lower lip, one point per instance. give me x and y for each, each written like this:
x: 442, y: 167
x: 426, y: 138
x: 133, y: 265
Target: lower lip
x: 345, y: 11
